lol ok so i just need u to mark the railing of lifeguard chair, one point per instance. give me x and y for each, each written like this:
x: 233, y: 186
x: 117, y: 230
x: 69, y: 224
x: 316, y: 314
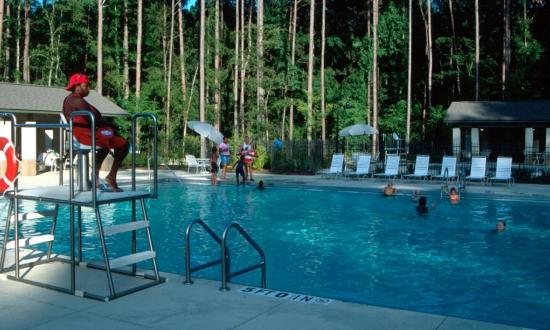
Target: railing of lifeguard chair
x: 135, y: 118
x: 15, y: 206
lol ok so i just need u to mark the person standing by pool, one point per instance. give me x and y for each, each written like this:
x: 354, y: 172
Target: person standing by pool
x: 106, y: 139
x: 225, y: 154
x: 214, y: 166
x: 248, y: 151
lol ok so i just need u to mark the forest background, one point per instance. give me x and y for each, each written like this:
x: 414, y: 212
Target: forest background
x: 294, y: 70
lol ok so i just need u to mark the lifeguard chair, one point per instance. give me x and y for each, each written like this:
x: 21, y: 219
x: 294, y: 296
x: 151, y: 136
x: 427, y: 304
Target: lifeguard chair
x: 77, y: 275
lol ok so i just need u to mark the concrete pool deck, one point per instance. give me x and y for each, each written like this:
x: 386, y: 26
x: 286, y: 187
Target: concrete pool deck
x: 173, y: 305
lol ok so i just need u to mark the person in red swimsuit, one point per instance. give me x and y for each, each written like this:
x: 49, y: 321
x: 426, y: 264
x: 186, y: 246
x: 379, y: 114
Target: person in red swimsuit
x: 105, y: 131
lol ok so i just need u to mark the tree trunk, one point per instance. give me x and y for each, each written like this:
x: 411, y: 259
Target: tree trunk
x: 236, y: 72
x: 369, y: 74
x: 1, y: 24
x: 201, y: 74
x: 8, y: 37
x: 243, y: 71
x: 169, y: 80
x: 506, y: 51
x: 285, y: 91
x: 182, y: 52
x: 430, y: 54
x: 453, y: 48
x: 125, y: 54
x: 260, y: 59
x: 525, y: 26
x: 477, y: 50
x: 50, y: 16
x: 26, y: 58
x: 18, y: 44
x: 375, y: 75
x: 217, y: 87
x: 186, y: 114
x: 138, y: 48
x: 99, y: 86
x: 409, y: 80
x: 323, y: 124
x: 311, y: 59
x: 293, y: 63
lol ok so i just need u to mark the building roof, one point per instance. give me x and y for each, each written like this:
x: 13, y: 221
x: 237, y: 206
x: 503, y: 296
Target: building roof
x: 36, y: 99
x: 498, y: 113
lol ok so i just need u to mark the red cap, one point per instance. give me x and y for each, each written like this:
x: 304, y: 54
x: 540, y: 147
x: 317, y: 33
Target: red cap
x: 77, y: 79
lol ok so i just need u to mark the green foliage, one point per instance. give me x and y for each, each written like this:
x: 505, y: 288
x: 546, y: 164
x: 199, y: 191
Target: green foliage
x: 63, y: 41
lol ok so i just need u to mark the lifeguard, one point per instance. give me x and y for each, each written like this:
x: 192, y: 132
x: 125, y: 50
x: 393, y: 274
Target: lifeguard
x: 104, y: 134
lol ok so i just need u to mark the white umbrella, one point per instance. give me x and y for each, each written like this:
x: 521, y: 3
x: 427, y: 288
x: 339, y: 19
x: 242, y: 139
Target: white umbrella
x: 206, y: 130
x: 358, y: 129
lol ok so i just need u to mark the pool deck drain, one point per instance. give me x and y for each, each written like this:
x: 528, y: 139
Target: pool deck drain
x: 173, y: 305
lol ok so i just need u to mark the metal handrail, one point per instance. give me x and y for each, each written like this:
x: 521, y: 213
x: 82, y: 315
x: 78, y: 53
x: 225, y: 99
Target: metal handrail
x: 226, y: 274
x: 135, y: 117
x: 188, y: 269
x: 71, y: 153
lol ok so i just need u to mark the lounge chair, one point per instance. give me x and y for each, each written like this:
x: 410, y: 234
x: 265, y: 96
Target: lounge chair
x: 192, y: 162
x: 421, y: 167
x: 478, y: 169
x: 391, y: 170
x: 448, y: 169
x: 363, y: 166
x: 336, y: 165
x: 503, y: 171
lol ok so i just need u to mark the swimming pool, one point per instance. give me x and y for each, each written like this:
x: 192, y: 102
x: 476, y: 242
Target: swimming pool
x: 360, y: 247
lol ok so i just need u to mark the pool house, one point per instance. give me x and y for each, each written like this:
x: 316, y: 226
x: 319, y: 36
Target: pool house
x: 520, y: 129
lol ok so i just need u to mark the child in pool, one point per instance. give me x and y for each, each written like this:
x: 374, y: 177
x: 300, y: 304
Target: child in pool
x: 239, y: 168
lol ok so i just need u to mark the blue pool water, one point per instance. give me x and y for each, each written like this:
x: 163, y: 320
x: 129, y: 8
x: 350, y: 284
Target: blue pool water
x: 358, y: 246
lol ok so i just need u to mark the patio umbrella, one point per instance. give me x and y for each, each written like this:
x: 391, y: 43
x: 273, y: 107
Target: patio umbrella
x: 206, y: 130
x: 358, y: 129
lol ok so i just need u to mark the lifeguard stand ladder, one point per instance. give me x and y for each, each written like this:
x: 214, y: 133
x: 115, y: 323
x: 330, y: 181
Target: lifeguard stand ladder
x: 121, y: 270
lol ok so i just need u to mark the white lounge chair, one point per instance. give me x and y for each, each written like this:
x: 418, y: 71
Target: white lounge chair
x: 391, y: 169
x: 336, y: 165
x: 421, y: 167
x: 363, y: 166
x: 192, y: 162
x: 448, y: 169
x: 478, y: 169
x: 503, y: 171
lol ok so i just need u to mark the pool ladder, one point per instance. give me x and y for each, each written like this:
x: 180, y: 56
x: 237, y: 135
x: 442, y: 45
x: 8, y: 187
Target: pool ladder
x: 225, y: 259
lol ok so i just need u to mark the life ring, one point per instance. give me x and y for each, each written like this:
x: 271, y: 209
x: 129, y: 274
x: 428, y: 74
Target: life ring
x: 12, y: 164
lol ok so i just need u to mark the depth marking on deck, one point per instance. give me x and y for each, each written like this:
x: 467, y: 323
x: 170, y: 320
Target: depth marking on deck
x: 302, y: 298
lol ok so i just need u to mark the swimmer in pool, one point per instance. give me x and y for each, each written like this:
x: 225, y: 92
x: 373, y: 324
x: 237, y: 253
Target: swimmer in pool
x: 454, y: 197
x: 422, y: 207
x: 261, y: 185
x: 415, y: 195
x: 389, y: 190
x: 501, y: 227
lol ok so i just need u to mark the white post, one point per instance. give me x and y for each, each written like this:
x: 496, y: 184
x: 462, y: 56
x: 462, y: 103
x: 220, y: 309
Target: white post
x: 547, y: 145
x: 529, y: 156
x: 28, y: 150
x: 456, y: 141
x: 475, y: 140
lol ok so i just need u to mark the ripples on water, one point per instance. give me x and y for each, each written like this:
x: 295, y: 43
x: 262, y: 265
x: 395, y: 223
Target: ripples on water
x: 357, y: 247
